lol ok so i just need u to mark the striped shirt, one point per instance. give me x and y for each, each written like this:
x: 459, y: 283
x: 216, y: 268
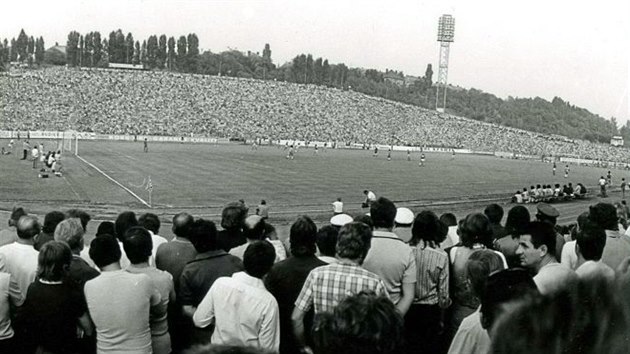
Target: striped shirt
x: 326, y: 286
x: 432, y: 276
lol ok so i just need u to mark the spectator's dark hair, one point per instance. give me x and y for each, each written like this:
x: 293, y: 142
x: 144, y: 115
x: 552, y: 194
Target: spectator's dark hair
x: 604, y: 215
x: 366, y: 219
x: 591, y: 241
x: 428, y: 228
x: 303, y: 236
x: 53, y: 261
x: 16, y: 214
x: 448, y: 219
x: 361, y: 324
x: 104, y: 250
x: 593, y: 319
x: 233, y: 216
x: 203, y: 235
x: 383, y: 213
x: 125, y: 221
x: 150, y: 222
x: 494, y: 212
x: 71, y: 232
x: 254, y: 228
x: 137, y: 244
x: 181, y: 224
x: 327, y: 240
x: 517, y: 222
x: 81, y: 215
x: 479, y: 266
x: 28, y: 227
x: 106, y: 228
x: 354, y: 241
x: 543, y: 234
x: 501, y: 287
x: 258, y: 258
x: 475, y: 229
x: 51, y: 220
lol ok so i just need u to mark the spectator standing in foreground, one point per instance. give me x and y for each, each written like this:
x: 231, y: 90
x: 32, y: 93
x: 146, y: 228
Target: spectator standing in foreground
x: 617, y: 246
x: 51, y: 220
x: 517, y: 223
x: 151, y: 223
x: 391, y: 258
x: 286, y: 278
x: 326, y: 286
x: 254, y: 229
x: 537, y: 253
x: 138, y: 247
x: 120, y: 303
x: 549, y: 215
x: 494, y: 212
x: 243, y: 311
x: 20, y: 259
x: 9, y: 235
x: 7, y: 335
x: 232, y: 219
x: 591, y: 241
x: 71, y: 232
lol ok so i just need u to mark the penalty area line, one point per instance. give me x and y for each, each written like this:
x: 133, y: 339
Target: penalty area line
x: 115, y: 181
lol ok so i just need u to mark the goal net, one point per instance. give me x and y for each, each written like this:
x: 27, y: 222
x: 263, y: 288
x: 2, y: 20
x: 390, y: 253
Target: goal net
x: 69, y: 142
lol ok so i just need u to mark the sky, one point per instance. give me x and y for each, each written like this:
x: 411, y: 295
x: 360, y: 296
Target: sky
x: 576, y: 50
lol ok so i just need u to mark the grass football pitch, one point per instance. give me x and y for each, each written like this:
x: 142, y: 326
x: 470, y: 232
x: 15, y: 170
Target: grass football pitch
x: 202, y: 178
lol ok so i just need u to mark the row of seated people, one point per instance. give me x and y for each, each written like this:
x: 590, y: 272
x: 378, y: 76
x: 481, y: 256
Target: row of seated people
x: 349, y: 287
x: 547, y: 193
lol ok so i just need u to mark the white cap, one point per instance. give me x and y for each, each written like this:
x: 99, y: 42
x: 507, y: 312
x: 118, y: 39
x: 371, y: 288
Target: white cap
x: 404, y: 216
x: 340, y: 219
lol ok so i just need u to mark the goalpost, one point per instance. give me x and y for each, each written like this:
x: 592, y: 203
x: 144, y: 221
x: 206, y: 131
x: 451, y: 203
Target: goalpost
x: 69, y: 142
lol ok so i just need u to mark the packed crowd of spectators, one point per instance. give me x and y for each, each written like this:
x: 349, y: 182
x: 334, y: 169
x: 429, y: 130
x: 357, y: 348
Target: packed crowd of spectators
x: 174, y: 104
x: 390, y: 281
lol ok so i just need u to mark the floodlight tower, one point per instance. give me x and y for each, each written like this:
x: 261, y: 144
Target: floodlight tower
x: 446, y: 34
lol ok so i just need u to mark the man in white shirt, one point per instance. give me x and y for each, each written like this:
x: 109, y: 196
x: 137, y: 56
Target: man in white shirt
x: 243, y: 311
x: 589, y: 248
x: 20, y: 259
x: 151, y: 222
x: 536, y: 251
x: 370, y: 197
x: 337, y: 206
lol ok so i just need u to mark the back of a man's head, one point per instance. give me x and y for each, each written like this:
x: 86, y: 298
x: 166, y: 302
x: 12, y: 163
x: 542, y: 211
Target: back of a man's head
x: 203, y: 235
x: 81, y: 215
x: 150, y: 222
x: 361, y: 324
x: 494, y: 212
x: 51, y: 220
x: 543, y: 233
x: 104, y: 250
x: 181, y: 224
x: 502, y: 287
x: 16, y: 214
x: 233, y: 216
x: 28, y: 227
x: 254, y: 228
x: 448, y: 219
x: 258, y: 258
x: 71, y: 232
x: 354, y: 241
x: 106, y: 228
x: 604, y: 215
x: 302, y: 237
x: 591, y: 241
x: 327, y: 240
x: 137, y: 244
x: 125, y: 221
x: 383, y: 213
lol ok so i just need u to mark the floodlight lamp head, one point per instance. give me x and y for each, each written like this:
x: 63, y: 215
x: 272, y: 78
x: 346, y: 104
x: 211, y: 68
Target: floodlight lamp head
x: 446, y: 29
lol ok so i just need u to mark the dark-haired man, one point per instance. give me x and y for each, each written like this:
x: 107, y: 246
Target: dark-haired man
x: 590, y: 243
x: 120, y: 303
x: 243, y: 311
x: 327, y: 285
x: 286, y: 278
x: 138, y: 247
x: 71, y: 232
x: 20, y: 259
x: 536, y: 250
x: 232, y: 219
x: 494, y: 212
x: 391, y: 258
x: 617, y: 246
x: 10, y: 235
x: 151, y: 222
x: 51, y: 220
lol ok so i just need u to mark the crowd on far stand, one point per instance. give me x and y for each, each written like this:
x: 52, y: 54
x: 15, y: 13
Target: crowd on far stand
x: 392, y: 281
x: 175, y: 104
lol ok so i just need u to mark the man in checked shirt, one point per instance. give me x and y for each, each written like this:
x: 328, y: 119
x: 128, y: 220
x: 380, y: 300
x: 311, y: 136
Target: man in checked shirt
x: 326, y: 286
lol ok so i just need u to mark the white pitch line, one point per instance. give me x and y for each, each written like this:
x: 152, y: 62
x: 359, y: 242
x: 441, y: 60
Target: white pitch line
x: 115, y: 181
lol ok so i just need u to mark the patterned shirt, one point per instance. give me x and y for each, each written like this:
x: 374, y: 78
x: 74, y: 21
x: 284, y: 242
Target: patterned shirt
x: 433, y: 276
x: 326, y: 286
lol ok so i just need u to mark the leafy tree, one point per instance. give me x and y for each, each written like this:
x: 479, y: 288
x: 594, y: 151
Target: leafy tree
x: 170, y: 60
x: 97, y: 47
x: 161, y: 53
x: 129, y: 48
x: 428, y: 75
x: 309, y: 69
x: 80, y: 53
x: 39, y: 50
x: 144, y: 60
x: 136, y: 54
x: 318, y: 71
x: 21, y: 46
x: 152, y: 49
x: 72, y: 50
x: 326, y: 72
x: 181, y: 53
x: 30, y: 50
